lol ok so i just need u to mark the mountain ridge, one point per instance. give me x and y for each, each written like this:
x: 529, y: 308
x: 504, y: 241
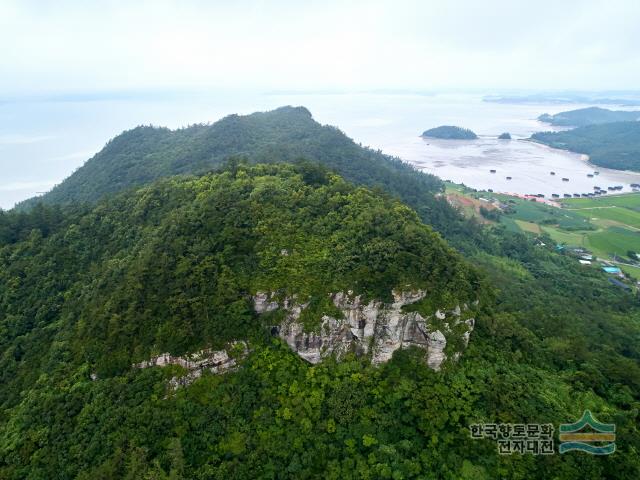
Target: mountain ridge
x: 145, y: 153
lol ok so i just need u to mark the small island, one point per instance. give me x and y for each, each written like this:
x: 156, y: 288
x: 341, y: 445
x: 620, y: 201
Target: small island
x: 504, y: 136
x: 448, y: 132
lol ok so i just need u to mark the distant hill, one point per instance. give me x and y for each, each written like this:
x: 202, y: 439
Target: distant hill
x: 144, y: 154
x: 563, y: 98
x: 504, y: 136
x: 611, y: 145
x: 589, y: 116
x: 448, y: 132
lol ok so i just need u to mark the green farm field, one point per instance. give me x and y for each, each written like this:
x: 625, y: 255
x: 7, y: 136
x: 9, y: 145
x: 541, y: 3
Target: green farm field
x: 622, y: 209
x: 630, y: 201
x: 607, y: 226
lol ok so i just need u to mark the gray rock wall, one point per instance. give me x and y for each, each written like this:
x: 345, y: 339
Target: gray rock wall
x: 215, y: 361
x: 375, y: 329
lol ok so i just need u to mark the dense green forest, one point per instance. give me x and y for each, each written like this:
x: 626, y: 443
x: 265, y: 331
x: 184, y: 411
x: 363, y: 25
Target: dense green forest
x: 589, y: 116
x: 448, y: 132
x: 611, y: 145
x: 90, y: 288
x: 194, y: 249
x: 146, y: 153
x: 287, y: 134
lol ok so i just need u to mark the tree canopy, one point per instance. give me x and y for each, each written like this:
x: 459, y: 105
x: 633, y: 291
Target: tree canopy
x: 91, y: 284
x: 610, y: 145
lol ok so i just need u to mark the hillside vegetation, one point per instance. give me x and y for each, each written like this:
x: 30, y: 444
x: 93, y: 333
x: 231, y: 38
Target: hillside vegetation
x: 144, y: 154
x: 89, y: 288
x: 90, y: 291
x: 287, y: 134
x: 177, y: 271
x: 610, y: 145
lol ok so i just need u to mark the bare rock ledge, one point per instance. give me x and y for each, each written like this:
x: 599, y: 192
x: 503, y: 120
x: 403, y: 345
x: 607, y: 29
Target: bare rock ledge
x: 375, y: 329
x: 215, y: 361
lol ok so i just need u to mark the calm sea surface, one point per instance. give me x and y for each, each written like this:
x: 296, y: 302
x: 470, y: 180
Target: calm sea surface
x: 43, y: 141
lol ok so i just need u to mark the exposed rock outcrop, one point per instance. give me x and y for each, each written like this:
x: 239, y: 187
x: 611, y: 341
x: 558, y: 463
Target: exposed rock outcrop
x: 375, y: 328
x: 215, y: 361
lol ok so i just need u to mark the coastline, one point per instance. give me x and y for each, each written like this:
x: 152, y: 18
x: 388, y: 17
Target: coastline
x: 583, y: 156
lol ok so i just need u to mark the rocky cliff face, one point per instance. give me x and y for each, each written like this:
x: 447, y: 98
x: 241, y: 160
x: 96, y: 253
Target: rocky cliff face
x: 375, y: 328
x: 215, y: 361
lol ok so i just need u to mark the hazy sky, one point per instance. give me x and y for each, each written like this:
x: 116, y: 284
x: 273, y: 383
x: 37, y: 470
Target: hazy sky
x: 72, y: 46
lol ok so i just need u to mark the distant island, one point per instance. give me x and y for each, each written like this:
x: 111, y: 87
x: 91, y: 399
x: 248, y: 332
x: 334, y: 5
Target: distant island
x: 589, y: 116
x: 595, y: 98
x: 504, y: 136
x: 612, y: 145
x: 448, y: 132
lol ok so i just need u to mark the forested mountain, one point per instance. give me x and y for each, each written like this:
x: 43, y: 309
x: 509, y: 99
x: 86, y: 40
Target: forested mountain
x: 610, y: 145
x: 194, y: 249
x: 589, y: 116
x: 144, y: 154
x: 87, y: 292
x: 173, y: 268
x: 90, y: 291
x: 288, y: 134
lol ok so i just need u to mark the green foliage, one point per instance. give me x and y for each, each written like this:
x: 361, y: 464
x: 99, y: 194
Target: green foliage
x: 108, y: 289
x: 493, y: 214
x: 172, y: 266
x: 144, y: 154
x: 287, y: 134
x: 614, y: 240
x: 611, y: 145
x: 177, y: 273
x: 18, y: 226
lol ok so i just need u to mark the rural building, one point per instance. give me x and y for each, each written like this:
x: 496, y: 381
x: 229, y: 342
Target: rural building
x: 618, y: 283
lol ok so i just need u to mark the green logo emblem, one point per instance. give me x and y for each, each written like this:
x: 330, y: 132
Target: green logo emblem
x: 599, y: 439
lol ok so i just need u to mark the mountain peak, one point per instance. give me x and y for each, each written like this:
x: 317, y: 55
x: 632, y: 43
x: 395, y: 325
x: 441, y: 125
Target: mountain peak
x: 144, y: 154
